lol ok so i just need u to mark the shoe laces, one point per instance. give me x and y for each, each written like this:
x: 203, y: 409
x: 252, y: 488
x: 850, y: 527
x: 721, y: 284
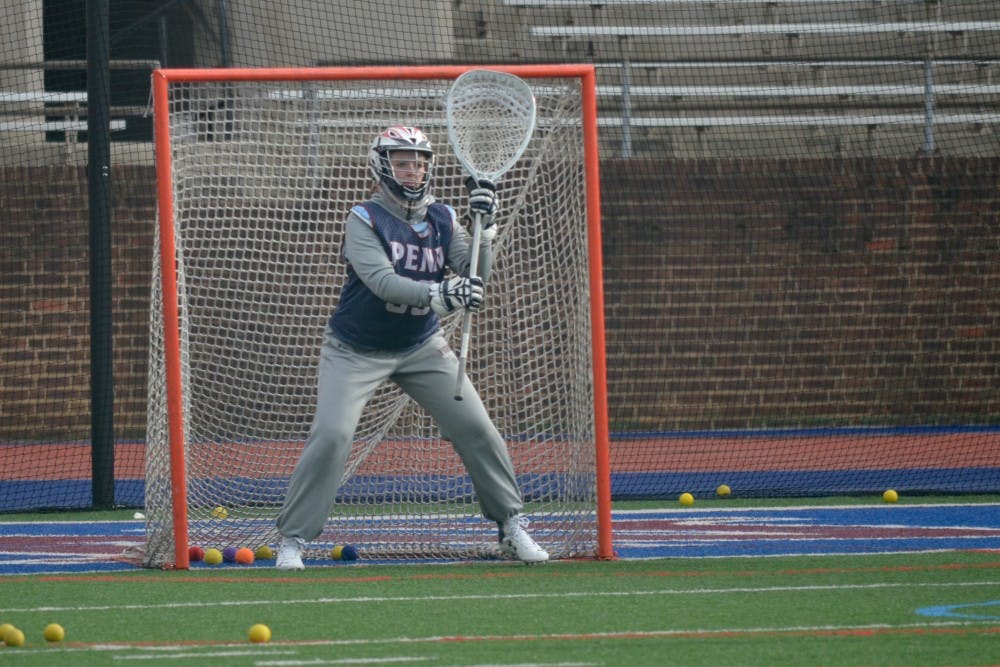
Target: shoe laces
x: 515, y: 524
x: 296, y: 542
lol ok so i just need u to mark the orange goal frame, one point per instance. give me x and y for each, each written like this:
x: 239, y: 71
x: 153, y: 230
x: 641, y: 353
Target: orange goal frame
x: 161, y: 79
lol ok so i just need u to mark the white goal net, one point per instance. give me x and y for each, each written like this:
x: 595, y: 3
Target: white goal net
x: 262, y: 176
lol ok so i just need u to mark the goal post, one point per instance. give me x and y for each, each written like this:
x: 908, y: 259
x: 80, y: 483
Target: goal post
x: 256, y: 172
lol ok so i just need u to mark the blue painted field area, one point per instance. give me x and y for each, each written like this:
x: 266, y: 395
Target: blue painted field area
x: 698, y: 533
x: 60, y: 547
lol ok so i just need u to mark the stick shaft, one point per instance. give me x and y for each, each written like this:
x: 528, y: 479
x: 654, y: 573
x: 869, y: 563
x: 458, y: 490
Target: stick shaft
x: 477, y: 234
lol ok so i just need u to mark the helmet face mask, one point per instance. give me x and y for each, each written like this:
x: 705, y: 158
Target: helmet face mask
x: 410, y: 140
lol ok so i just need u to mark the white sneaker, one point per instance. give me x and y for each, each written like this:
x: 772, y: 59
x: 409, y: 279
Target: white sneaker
x: 516, y: 543
x: 290, y: 554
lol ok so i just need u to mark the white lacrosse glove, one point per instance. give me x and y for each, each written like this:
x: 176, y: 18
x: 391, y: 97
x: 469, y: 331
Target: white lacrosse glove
x: 483, y: 200
x: 457, y: 292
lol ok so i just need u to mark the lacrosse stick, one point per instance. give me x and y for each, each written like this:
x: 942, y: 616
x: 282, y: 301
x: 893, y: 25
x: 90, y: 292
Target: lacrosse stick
x: 491, y: 117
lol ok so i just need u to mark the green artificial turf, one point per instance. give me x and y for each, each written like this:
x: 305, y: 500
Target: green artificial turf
x: 844, y: 610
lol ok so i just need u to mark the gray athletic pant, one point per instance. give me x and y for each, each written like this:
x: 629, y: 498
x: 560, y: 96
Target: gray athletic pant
x: 347, y: 380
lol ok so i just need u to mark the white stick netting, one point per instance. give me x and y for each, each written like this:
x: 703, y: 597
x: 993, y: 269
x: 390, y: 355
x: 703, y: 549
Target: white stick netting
x: 490, y: 117
x: 264, y: 174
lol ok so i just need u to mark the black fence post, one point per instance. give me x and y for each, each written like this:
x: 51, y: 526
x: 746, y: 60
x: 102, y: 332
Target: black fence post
x: 102, y: 441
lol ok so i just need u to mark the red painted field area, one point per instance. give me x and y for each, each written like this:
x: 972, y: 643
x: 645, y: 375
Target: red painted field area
x: 744, y: 452
x: 818, y: 452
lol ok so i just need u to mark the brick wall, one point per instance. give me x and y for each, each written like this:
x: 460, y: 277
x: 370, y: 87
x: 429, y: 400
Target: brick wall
x: 739, y: 293
x: 44, y: 301
x: 802, y: 292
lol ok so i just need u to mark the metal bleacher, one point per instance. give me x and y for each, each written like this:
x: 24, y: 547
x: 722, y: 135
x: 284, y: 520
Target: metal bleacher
x: 37, y: 114
x: 756, y: 77
x: 39, y: 126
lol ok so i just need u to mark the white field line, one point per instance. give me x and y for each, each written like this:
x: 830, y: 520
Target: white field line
x: 797, y: 555
x: 374, y: 661
x: 509, y: 596
x: 339, y: 661
x: 616, y: 515
x: 210, y: 652
x: 287, y: 662
x: 164, y: 651
x: 621, y: 515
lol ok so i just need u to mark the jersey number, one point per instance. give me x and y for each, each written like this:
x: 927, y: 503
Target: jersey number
x: 402, y: 308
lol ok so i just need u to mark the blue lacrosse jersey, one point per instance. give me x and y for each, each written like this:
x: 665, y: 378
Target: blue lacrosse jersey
x: 418, y: 252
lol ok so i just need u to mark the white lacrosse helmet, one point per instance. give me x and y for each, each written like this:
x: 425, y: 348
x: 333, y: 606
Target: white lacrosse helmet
x: 397, y: 138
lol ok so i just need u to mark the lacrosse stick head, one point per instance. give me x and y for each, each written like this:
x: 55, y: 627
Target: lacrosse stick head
x: 491, y: 117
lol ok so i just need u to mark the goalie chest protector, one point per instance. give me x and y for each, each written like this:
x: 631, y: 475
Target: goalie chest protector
x: 418, y: 252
